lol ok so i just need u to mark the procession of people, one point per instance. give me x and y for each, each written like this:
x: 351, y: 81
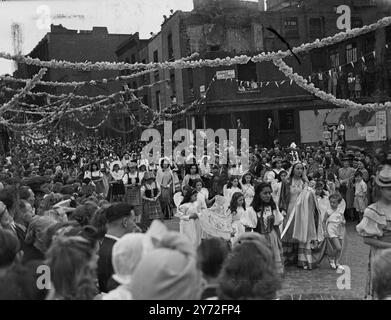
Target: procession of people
x: 99, y: 214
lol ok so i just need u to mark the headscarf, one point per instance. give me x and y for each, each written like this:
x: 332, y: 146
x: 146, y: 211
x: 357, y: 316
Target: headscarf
x: 168, y: 272
x: 127, y: 253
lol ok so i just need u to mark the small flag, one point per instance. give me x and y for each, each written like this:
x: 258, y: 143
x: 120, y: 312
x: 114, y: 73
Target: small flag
x: 276, y: 84
x: 340, y: 68
x: 291, y: 81
x: 363, y: 59
x: 282, y: 82
x: 267, y: 83
x: 330, y: 73
x: 261, y: 84
x: 352, y: 63
x: 387, y: 46
x: 309, y: 78
x: 374, y: 53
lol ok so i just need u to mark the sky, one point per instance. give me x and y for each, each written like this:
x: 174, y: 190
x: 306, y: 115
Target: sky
x: 119, y: 16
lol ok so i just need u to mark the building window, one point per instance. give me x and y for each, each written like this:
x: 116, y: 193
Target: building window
x: 156, y: 75
x: 214, y: 48
x: 287, y: 120
x: 356, y: 22
x: 291, y: 27
x: 133, y: 59
x: 315, y: 27
x: 155, y: 56
x: 334, y: 59
x: 351, y: 53
x: 158, y: 102
x: 247, y: 77
x: 170, y: 47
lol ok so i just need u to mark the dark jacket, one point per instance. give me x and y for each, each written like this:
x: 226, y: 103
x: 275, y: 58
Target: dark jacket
x: 105, y: 266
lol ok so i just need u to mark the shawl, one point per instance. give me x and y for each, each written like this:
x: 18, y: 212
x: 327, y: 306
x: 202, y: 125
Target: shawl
x: 307, y: 223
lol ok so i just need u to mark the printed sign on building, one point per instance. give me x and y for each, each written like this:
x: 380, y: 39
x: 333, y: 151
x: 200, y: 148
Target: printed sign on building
x: 225, y: 74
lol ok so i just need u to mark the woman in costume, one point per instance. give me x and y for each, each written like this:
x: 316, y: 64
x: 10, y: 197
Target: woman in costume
x: 132, y: 183
x: 150, y: 194
x: 97, y: 178
x: 231, y: 187
x: 191, y: 176
x: 264, y: 218
x: 375, y: 226
x: 165, y: 180
x: 188, y: 213
x: 117, y: 189
x: 346, y: 177
x: 302, y: 224
x: 248, y: 190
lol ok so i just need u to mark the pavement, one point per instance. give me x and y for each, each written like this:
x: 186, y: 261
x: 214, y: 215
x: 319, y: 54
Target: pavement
x: 321, y: 283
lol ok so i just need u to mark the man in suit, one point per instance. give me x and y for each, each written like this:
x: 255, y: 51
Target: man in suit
x: 271, y: 132
x: 120, y: 221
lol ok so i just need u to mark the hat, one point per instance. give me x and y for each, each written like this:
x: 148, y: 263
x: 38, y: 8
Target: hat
x: 383, y: 179
x: 168, y: 272
x: 149, y: 175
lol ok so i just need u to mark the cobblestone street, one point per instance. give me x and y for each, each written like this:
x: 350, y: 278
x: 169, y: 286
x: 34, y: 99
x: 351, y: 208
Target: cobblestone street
x: 322, y: 281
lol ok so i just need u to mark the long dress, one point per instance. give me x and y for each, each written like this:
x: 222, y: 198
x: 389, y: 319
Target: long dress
x: 266, y: 224
x: 237, y: 225
x: 166, y: 179
x: 132, y: 183
x: 302, y: 224
x: 117, y: 189
x: 189, y: 227
x: 216, y: 222
x: 376, y: 223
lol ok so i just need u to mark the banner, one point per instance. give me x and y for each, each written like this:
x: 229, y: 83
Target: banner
x: 225, y: 74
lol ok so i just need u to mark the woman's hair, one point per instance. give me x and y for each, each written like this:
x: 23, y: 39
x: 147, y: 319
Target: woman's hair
x: 197, y: 181
x: 188, y: 195
x: 71, y: 274
x: 381, y: 274
x: 320, y: 184
x: 189, y: 166
x: 21, y: 282
x: 358, y: 174
x: 257, y: 203
x: 244, y: 178
x: 336, y: 196
x: 99, y: 221
x: 331, y: 177
x: 294, y: 167
x: 249, y: 273
x: 233, y: 206
x: 211, y: 255
x: 83, y: 214
x: 231, y: 180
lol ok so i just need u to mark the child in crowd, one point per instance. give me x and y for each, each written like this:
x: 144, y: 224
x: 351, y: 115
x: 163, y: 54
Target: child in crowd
x: 237, y: 208
x: 334, y: 222
x: 360, y: 194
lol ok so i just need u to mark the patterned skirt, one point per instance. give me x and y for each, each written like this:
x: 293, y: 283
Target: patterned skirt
x: 151, y: 211
x: 133, y: 195
x: 166, y: 199
x: 117, y: 189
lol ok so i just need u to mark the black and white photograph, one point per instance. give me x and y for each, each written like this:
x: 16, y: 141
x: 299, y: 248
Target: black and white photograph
x: 195, y: 150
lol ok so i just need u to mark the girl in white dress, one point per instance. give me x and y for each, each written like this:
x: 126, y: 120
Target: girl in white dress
x: 188, y: 212
x: 237, y: 209
x: 248, y: 188
x: 230, y: 188
x: 203, y: 194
